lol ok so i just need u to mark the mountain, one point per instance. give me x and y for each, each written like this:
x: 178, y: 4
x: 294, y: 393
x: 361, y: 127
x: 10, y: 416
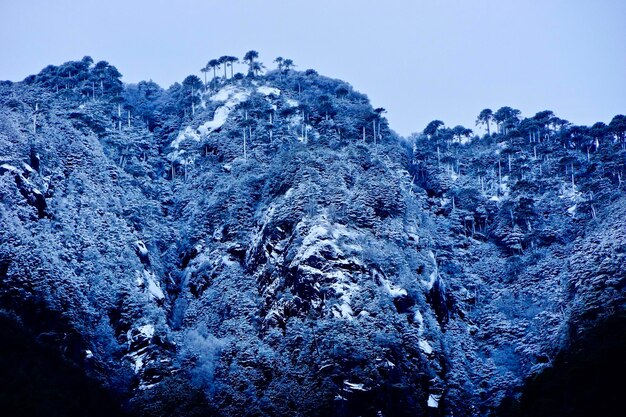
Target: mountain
x: 266, y: 245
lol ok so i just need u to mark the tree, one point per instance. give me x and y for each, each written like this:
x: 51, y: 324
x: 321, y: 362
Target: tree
x: 288, y: 64
x: 377, y: 116
x: 506, y: 117
x: 192, y: 83
x: 230, y: 60
x: 223, y: 60
x: 618, y: 127
x: 599, y: 130
x: 204, y: 70
x: 342, y: 91
x: 279, y: 60
x: 257, y: 67
x: 432, y: 127
x: 544, y: 117
x: 249, y: 58
x: 485, y: 117
x: 460, y: 131
x: 214, y: 64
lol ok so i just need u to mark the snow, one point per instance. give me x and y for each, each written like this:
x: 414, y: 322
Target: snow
x: 138, y: 359
x: 314, y: 242
x: 224, y: 93
x: 226, y: 260
x: 572, y: 210
x: 394, y: 291
x: 420, y: 322
x: 352, y: 386
x: 147, y: 331
x: 266, y: 91
x: 232, y: 96
x: 414, y: 237
x: 433, y: 400
x: 88, y: 354
x: 343, y: 311
x: 425, y: 346
x: 153, y: 287
x: 328, y: 365
x: 291, y: 102
x: 188, y: 133
x: 219, y: 118
x: 138, y: 279
x: 9, y: 168
x: 141, y: 247
x: 433, y: 275
x: 28, y: 168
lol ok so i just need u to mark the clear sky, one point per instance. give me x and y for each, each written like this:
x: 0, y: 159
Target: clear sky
x: 420, y: 59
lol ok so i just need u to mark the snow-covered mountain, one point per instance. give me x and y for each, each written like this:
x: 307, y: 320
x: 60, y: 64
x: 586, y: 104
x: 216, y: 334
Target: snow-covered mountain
x: 266, y: 245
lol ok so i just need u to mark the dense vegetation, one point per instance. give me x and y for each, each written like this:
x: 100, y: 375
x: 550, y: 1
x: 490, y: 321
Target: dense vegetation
x: 264, y: 244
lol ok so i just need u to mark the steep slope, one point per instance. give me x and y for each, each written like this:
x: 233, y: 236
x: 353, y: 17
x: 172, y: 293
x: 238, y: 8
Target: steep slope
x: 266, y: 245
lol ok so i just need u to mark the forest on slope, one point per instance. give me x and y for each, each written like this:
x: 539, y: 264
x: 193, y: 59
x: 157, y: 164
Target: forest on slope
x: 265, y: 244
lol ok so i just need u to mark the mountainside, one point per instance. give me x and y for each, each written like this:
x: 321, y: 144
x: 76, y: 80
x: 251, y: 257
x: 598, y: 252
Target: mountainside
x: 266, y: 245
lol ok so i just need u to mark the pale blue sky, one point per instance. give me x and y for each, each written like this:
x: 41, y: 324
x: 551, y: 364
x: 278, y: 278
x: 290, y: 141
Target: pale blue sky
x: 421, y: 60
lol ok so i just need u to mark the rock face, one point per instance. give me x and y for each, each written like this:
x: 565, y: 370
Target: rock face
x: 270, y: 247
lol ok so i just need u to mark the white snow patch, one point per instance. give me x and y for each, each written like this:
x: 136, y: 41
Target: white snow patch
x: 343, y: 311
x: 153, y: 286
x: 88, y: 354
x: 344, y: 288
x: 266, y: 90
x: 433, y: 400
x: 394, y: 291
x: 188, y: 133
x: 291, y: 102
x: 9, y: 168
x: 420, y: 322
x: 352, y: 386
x: 141, y: 247
x: 138, y: 359
x: 219, y: 118
x: 224, y: 93
x: 138, y: 279
x: 146, y: 330
x: 433, y: 275
x: 414, y: 237
x: 232, y: 96
x: 328, y: 365
x: 425, y: 346
x: 28, y: 168
x: 572, y: 210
